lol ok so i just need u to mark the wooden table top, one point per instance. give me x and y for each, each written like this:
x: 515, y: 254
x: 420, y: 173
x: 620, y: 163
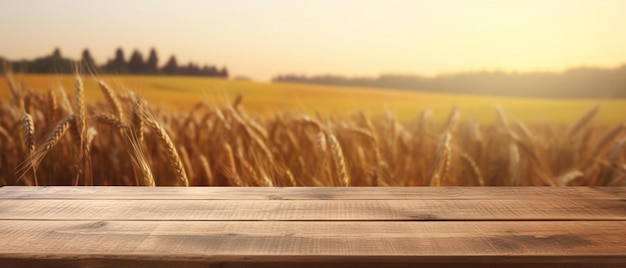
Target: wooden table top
x: 312, y: 226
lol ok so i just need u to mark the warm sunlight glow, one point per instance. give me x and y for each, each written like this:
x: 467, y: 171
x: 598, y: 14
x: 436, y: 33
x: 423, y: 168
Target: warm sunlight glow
x: 261, y: 39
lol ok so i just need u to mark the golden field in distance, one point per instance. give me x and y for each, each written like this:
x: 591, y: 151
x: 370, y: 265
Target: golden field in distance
x: 212, y: 136
x: 267, y: 98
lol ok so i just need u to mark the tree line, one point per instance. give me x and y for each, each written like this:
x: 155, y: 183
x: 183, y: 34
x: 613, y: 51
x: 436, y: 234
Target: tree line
x: 572, y: 83
x: 56, y: 63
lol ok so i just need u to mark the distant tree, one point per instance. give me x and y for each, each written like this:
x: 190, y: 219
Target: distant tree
x: 136, y: 64
x: 153, y: 62
x: 5, y: 65
x: 223, y: 73
x: 117, y: 64
x: 56, y: 53
x: 119, y: 57
x: 171, y: 67
x: 53, y: 63
x: 191, y: 69
x: 87, y: 60
x: 213, y: 71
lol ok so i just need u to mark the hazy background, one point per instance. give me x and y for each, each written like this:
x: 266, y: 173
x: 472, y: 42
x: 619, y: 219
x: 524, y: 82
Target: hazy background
x: 261, y: 39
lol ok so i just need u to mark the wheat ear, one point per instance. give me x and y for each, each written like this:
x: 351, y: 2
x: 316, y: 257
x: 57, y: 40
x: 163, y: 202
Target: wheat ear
x: 65, y: 101
x: 583, y: 120
x: 172, y: 154
x: 33, y: 160
x: 470, y: 162
x: 29, y: 133
x: 568, y: 177
x: 53, y: 105
x: 502, y: 119
x: 79, y: 107
x: 320, y: 145
x: 28, y: 128
x: 603, y: 142
x: 112, y: 99
x: 228, y: 167
x: 514, y: 165
x: 207, y: 170
x: 136, y: 119
x: 338, y: 159
x: 184, y: 155
x: 110, y: 120
x: 441, y: 162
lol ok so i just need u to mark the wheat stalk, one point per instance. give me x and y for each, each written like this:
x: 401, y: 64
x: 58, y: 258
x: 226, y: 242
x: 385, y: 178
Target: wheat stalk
x: 15, y: 90
x: 473, y: 167
x: 452, y: 119
x: 187, y: 162
x: 140, y: 161
x: 7, y: 137
x: 568, y: 177
x: 514, y: 165
x: 206, y: 169
x: 583, y: 120
x: 290, y: 178
x: 502, y: 119
x: 53, y: 105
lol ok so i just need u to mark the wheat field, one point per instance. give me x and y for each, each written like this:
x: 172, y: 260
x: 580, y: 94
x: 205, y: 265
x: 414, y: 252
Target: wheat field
x: 49, y: 137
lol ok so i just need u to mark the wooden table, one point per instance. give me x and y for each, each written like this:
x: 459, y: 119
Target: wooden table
x: 311, y: 227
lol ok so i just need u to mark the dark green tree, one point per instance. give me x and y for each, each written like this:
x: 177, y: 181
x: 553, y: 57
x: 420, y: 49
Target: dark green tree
x: 87, y: 60
x: 117, y: 64
x: 152, y: 65
x: 171, y: 67
x: 56, y: 53
x: 223, y: 73
x: 136, y: 64
x: 53, y: 63
x: 119, y: 57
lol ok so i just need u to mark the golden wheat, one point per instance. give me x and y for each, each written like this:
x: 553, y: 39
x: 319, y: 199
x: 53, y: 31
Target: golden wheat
x: 441, y: 161
x: 28, y: 133
x: 224, y: 145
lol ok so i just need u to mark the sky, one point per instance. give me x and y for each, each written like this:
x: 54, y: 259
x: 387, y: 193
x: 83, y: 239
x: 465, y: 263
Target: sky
x: 261, y: 39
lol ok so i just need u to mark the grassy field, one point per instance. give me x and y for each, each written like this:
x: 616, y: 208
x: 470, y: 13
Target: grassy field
x: 266, y: 98
x: 191, y: 131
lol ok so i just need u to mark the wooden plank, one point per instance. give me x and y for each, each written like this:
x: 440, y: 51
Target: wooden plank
x: 302, y: 242
x: 312, y: 210
x: 313, y: 193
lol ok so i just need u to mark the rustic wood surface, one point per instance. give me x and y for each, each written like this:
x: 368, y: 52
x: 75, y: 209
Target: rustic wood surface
x: 312, y: 227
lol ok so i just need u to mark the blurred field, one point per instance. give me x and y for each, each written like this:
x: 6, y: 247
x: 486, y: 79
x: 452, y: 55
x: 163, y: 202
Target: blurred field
x: 267, y: 98
x: 214, y: 133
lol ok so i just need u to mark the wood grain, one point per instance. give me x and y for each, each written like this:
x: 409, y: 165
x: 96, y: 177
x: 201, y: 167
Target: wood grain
x: 312, y: 227
x: 313, y: 193
x: 312, y: 210
x: 215, y: 242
